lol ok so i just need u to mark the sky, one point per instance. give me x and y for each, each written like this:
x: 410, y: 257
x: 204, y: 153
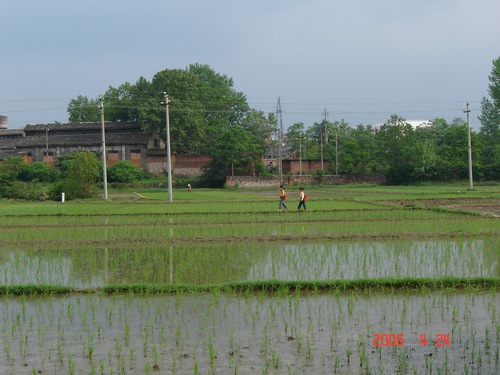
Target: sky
x: 361, y: 60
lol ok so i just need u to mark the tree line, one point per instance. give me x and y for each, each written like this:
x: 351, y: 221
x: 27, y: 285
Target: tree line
x: 208, y: 116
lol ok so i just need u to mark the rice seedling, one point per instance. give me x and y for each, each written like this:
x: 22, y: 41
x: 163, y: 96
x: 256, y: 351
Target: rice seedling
x: 240, y: 287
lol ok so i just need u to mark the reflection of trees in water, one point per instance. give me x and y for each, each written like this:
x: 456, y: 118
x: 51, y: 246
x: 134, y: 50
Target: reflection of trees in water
x: 150, y: 263
x: 492, y: 255
x: 219, y: 262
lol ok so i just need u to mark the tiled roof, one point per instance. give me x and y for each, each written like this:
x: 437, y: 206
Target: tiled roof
x: 83, y: 140
x: 4, y: 154
x: 10, y: 133
x: 74, y: 127
x: 9, y: 138
x: 71, y: 135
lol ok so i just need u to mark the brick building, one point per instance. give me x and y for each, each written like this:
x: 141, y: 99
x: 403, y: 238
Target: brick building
x: 124, y: 141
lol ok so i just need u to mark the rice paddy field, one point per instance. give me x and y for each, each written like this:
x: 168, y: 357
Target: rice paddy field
x: 369, y: 280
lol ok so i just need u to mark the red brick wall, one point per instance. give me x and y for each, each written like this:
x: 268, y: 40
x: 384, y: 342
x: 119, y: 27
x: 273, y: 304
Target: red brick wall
x: 50, y: 160
x: 190, y: 161
x: 112, y: 158
x: 135, y: 158
x: 308, y: 166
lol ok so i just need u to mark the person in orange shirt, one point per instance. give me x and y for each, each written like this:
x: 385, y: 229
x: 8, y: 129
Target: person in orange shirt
x: 282, y: 198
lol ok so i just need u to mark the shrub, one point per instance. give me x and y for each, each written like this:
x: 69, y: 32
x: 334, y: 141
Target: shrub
x: 81, y: 177
x: 23, y: 190
x: 124, y: 172
x: 12, y: 168
x: 39, y: 172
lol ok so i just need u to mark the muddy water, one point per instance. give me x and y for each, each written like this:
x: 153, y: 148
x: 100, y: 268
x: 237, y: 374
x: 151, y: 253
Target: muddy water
x: 218, y: 262
x: 252, y: 334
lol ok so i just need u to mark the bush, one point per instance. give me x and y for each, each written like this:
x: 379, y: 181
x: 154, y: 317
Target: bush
x: 124, y: 172
x: 39, y: 172
x: 80, y: 180
x: 23, y: 190
x: 12, y: 168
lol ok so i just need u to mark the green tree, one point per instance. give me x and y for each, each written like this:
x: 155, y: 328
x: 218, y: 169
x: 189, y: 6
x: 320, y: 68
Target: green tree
x: 203, y: 104
x: 235, y: 153
x: 395, y: 141
x: 295, y: 136
x: 260, y: 126
x: 452, y: 152
x: 121, y: 103
x: 425, y: 159
x: 356, y: 150
x: 81, y: 177
x: 490, y: 125
x: 188, y: 124
x: 301, y: 138
x: 83, y: 109
x: 223, y: 104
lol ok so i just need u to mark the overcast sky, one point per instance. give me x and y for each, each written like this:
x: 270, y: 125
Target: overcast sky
x: 362, y: 60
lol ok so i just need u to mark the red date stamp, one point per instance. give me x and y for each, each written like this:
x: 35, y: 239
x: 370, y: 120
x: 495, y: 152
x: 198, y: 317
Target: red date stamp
x: 391, y: 339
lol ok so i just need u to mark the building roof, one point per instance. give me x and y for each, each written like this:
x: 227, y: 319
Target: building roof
x: 72, y: 135
x: 84, y: 140
x: 10, y: 133
x: 74, y: 127
x: 414, y: 123
x: 4, y: 154
x: 8, y: 138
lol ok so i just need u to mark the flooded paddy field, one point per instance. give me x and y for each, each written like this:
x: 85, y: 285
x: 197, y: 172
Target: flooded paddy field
x: 211, y: 263
x: 284, y: 333
x: 103, y: 323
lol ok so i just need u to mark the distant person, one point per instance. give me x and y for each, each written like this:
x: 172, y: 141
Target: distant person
x: 303, y: 198
x: 190, y: 189
x: 282, y: 198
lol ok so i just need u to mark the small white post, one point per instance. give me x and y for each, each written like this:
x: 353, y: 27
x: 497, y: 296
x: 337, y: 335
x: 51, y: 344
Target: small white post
x: 62, y: 197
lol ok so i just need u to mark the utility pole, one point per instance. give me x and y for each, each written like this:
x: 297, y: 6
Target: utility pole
x: 323, y: 130
x: 169, y: 160
x: 337, y: 153
x: 325, y: 114
x: 103, y: 136
x: 469, y: 146
x: 279, y: 117
x: 300, y: 153
x: 47, y: 145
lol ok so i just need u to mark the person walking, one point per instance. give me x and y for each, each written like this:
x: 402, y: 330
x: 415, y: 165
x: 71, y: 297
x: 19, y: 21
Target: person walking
x: 303, y: 198
x: 282, y: 198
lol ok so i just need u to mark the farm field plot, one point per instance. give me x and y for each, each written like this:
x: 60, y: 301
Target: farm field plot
x: 96, y: 266
x: 220, y: 282
x: 298, y: 333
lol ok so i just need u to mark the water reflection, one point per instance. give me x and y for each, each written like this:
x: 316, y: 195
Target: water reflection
x: 84, y: 266
x: 353, y: 260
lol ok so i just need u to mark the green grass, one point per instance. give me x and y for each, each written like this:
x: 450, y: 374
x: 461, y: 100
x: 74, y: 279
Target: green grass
x: 270, y: 286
